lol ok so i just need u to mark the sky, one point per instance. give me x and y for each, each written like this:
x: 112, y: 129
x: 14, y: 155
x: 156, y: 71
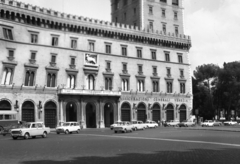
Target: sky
x: 214, y: 25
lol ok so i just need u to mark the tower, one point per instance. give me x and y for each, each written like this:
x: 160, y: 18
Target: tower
x: 164, y: 16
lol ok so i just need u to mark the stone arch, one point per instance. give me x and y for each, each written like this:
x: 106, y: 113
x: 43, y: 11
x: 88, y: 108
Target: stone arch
x: 141, y: 111
x: 182, y: 112
x: 126, y: 111
x: 91, y: 114
x: 169, y: 112
x: 28, y: 111
x: 50, y: 114
x: 156, y: 112
x: 5, y: 105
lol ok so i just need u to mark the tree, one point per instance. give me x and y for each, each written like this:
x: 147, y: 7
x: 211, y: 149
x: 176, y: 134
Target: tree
x: 206, y: 79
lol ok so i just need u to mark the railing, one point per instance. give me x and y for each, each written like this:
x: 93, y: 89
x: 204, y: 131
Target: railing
x: 89, y: 92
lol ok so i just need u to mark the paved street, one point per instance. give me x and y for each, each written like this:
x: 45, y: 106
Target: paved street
x: 161, y: 145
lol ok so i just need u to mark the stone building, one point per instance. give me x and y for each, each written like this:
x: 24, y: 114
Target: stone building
x: 58, y: 67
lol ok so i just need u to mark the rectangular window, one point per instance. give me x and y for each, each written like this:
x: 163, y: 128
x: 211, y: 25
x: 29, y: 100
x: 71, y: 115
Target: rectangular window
x: 168, y: 72
x: 91, y: 46
x: 34, y: 38
x: 176, y: 30
x: 33, y: 55
x: 155, y: 85
x: 181, y: 73
x: 139, y: 68
x: 151, y: 25
x: 175, y: 2
x: 169, y: 87
x: 180, y: 59
x: 54, y: 41
x: 167, y: 56
x: 53, y: 58
x: 7, y: 33
x: 164, y: 13
x: 164, y: 28
x: 124, y: 51
x: 154, y: 57
x: 175, y: 15
x: 164, y: 1
x: 139, y: 53
x: 150, y: 10
x: 154, y: 69
x: 134, y: 11
x: 124, y: 67
x: 72, y: 61
x: 10, y: 53
x: 124, y: 16
x: 73, y: 43
x: 108, y: 49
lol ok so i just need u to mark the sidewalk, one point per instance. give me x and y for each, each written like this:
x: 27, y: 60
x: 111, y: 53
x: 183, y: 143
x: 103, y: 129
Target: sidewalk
x: 235, y: 128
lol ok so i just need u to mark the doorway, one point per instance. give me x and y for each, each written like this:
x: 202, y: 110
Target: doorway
x: 71, y: 112
x: 108, y: 114
x: 90, y: 116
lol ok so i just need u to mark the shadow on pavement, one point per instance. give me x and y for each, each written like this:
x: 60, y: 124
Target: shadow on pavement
x: 195, y: 156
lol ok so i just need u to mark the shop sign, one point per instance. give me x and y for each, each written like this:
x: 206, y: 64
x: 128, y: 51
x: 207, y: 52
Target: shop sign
x: 155, y: 99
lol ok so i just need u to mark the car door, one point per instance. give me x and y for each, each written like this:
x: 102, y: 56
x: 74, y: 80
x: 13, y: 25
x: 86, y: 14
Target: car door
x: 40, y: 129
x: 33, y: 130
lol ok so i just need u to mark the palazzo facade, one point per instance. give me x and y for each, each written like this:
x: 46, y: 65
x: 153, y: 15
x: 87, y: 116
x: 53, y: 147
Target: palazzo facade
x: 57, y: 67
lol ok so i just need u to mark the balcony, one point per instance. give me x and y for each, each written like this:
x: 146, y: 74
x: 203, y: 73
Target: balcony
x: 89, y: 92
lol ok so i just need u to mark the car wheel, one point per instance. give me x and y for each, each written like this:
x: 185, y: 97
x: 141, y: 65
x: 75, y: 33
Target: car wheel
x: 78, y: 131
x: 66, y: 132
x: 33, y: 137
x: 44, y: 135
x: 115, y: 131
x: 58, y: 133
x: 26, y: 136
x: 14, y: 138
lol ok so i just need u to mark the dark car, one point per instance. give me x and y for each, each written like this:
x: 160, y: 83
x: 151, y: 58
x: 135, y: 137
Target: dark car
x: 7, y: 128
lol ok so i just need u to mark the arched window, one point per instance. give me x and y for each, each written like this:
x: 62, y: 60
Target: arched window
x: 5, y: 105
x: 51, y: 80
x: 91, y: 82
x: 29, y: 78
x: 125, y: 85
x: 125, y: 112
x: 71, y: 81
x: 7, y: 76
x: 140, y: 85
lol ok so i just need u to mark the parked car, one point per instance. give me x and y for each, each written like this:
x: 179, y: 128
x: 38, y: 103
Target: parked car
x: 208, y: 123
x: 217, y: 123
x: 186, y: 123
x: 68, y: 127
x: 124, y: 127
x: 151, y: 124
x: 172, y: 123
x: 230, y: 122
x: 31, y: 129
x: 115, y: 124
x: 138, y: 125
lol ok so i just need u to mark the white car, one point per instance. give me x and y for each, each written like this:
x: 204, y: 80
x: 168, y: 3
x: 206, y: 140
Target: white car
x: 31, y: 129
x: 208, y: 123
x: 230, y: 122
x: 68, y: 127
x: 173, y: 123
x: 138, y: 125
x: 124, y: 127
x: 151, y: 124
x: 115, y: 124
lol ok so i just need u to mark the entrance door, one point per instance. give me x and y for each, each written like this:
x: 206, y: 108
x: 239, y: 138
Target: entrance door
x: 71, y: 112
x: 108, y: 114
x: 125, y: 112
x: 90, y: 116
x: 183, y: 115
x: 28, y: 113
x: 156, y: 113
x: 141, y: 113
x: 50, y: 117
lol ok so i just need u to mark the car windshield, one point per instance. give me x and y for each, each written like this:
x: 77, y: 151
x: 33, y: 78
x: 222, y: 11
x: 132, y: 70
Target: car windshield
x: 66, y: 124
x: 25, y: 126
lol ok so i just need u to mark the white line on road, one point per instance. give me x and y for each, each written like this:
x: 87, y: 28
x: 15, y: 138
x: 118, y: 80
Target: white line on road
x: 163, y: 139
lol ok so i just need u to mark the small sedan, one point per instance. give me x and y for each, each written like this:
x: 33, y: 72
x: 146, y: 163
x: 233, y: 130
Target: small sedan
x: 68, y: 127
x: 151, y: 124
x: 138, y: 125
x: 173, y: 123
x: 124, y: 127
x: 115, y: 124
x: 186, y: 123
x: 230, y: 122
x: 217, y: 123
x: 208, y: 123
